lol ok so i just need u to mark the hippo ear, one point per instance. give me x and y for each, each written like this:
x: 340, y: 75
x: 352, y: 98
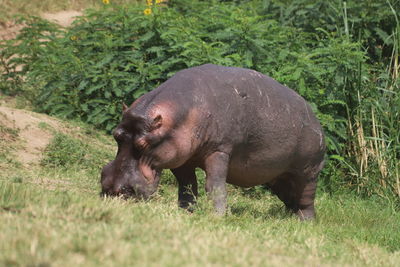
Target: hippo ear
x: 157, y: 122
x: 124, y: 107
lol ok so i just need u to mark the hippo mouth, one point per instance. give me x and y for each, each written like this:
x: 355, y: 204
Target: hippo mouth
x: 125, y: 192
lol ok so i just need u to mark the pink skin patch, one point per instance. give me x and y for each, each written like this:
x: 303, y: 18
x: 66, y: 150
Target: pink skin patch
x: 148, y: 172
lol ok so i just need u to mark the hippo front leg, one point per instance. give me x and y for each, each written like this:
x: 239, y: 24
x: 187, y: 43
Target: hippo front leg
x: 216, y: 167
x: 187, y: 183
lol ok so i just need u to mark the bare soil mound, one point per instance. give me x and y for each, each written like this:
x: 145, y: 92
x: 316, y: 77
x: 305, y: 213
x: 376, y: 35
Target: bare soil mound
x: 9, y: 30
x: 63, y: 18
x: 32, y: 133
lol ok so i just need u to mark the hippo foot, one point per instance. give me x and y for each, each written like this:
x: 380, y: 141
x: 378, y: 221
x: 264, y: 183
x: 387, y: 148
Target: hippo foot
x: 220, y: 205
x: 306, y: 214
x: 187, y: 205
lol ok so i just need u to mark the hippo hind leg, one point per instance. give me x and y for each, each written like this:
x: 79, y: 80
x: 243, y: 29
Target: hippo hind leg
x: 305, y: 208
x: 297, y: 193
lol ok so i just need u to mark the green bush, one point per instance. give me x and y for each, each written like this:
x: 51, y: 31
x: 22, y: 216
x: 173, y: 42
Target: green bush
x: 342, y: 57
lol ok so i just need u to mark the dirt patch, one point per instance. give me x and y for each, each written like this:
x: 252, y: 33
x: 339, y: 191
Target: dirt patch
x: 63, y: 18
x: 33, y: 135
x: 9, y: 29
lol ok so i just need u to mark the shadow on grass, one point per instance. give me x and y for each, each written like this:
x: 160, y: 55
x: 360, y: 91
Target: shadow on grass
x: 260, y: 203
x: 275, y: 211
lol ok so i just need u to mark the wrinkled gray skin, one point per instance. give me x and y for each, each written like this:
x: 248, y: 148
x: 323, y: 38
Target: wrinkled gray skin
x: 238, y: 125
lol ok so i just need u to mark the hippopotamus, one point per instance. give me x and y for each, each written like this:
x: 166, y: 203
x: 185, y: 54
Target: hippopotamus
x: 238, y: 125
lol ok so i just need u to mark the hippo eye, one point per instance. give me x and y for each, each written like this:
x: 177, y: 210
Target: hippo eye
x: 119, y: 136
x: 140, y: 144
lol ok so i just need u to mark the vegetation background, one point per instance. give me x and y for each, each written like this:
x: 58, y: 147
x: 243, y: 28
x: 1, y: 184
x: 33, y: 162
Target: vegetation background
x: 342, y: 57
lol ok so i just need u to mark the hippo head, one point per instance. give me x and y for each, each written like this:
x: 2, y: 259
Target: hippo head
x: 132, y: 173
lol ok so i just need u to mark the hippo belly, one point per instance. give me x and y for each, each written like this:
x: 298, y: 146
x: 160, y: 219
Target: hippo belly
x: 254, y: 169
x: 248, y: 177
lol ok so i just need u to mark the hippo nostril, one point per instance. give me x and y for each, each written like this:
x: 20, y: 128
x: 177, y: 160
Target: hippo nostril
x: 127, y: 191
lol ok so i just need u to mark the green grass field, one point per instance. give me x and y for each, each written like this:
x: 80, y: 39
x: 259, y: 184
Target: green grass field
x: 51, y: 215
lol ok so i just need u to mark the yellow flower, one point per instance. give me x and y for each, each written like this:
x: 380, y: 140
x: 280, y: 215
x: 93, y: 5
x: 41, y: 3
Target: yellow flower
x: 106, y: 2
x: 73, y: 38
x: 159, y: 1
x: 147, y: 11
x: 149, y: 2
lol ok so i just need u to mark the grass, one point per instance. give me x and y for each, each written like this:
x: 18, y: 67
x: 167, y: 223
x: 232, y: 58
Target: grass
x: 66, y: 151
x: 61, y: 221
x: 51, y: 215
x: 7, y: 135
